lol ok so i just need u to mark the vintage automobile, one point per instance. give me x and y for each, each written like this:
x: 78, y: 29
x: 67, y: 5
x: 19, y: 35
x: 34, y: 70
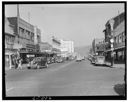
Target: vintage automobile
x: 59, y: 60
x: 49, y: 60
x: 78, y: 59
x: 99, y: 60
x: 92, y: 59
x: 37, y: 63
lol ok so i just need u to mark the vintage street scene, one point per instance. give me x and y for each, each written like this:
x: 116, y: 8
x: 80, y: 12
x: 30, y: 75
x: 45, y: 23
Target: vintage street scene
x: 65, y: 49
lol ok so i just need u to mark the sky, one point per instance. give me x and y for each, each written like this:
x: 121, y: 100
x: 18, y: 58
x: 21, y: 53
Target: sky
x: 80, y: 23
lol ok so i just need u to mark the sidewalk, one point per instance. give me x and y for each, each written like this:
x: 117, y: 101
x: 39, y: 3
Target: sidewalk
x: 115, y: 65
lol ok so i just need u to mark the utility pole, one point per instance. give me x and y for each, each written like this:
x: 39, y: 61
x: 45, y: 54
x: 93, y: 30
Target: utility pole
x: 112, y: 42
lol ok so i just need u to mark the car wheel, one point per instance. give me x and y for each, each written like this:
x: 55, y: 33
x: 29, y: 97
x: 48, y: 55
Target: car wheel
x: 46, y: 65
x: 38, y: 67
x: 29, y: 67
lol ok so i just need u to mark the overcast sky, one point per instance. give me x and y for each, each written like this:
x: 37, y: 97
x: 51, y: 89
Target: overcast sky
x: 80, y: 23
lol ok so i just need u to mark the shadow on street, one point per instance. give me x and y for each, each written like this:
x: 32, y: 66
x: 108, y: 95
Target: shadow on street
x: 101, y: 65
x: 120, y: 89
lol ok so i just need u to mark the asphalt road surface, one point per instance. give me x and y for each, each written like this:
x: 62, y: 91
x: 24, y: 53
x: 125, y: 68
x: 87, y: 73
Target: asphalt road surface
x: 64, y: 79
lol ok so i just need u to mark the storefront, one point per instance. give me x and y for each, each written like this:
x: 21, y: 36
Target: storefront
x: 9, y: 60
x: 119, y: 55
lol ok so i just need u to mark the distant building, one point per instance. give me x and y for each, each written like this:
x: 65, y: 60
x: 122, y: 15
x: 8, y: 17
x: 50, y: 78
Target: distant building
x: 98, y: 46
x: 56, y: 43
x: 67, y: 46
x: 45, y: 47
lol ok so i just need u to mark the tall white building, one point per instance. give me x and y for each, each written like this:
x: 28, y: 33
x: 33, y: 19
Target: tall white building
x: 67, y: 46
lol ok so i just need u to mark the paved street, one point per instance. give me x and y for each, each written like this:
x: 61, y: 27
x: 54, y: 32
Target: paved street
x: 64, y: 79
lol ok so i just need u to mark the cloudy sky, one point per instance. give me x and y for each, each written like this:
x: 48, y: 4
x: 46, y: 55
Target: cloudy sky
x: 80, y: 23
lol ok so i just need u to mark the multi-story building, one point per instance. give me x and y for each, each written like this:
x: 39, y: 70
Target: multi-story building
x: 67, y: 48
x: 56, y: 43
x: 118, y: 36
x: 25, y: 34
x: 9, y: 36
x: 45, y: 47
x: 98, y: 46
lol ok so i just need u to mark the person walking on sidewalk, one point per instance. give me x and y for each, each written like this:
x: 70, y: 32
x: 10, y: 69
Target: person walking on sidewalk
x: 20, y: 64
x: 16, y: 63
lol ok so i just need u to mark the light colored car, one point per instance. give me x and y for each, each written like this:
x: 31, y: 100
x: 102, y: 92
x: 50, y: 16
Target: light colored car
x: 78, y: 59
x: 59, y: 60
x: 99, y: 60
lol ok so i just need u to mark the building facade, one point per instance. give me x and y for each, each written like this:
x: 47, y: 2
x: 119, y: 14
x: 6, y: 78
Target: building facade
x: 98, y: 46
x: 67, y: 46
x: 9, y: 35
x: 45, y: 47
x: 25, y: 34
x: 119, y: 37
x: 56, y: 43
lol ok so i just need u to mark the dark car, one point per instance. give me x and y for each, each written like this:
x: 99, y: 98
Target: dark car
x: 37, y: 63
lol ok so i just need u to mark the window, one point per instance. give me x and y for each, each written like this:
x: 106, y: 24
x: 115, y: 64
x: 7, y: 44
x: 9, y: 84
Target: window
x: 120, y: 38
x: 28, y: 34
x: 32, y: 36
x: 123, y: 37
x: 117, y: 39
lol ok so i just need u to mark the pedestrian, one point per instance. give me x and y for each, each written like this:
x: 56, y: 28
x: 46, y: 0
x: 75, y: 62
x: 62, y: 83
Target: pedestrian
x: 20, y: 64
x: 16, y: 63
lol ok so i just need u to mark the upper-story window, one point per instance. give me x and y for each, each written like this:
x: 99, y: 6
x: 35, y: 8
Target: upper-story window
x: 120, y: 38
x: 21, y: 31
x: 32, y: 36
x: 123, y: 37
x: 28, y: 34
x: 117, y: 39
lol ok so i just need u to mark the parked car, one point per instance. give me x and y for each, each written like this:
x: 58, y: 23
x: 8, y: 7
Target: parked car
x: 83, y: 58
x: 49, y: 61
x: 59, y: 60
x: 37, y: 63
x: 92, y: 59
x: 99, y: 60
x: 78, y: 59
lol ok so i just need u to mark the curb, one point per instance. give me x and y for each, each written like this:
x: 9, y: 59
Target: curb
x: 114, y: 66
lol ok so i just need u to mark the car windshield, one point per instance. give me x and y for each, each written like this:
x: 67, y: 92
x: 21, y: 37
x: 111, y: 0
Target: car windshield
x: 100, y: 57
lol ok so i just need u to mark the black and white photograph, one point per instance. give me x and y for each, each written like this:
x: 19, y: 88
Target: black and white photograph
x: 64, y: 50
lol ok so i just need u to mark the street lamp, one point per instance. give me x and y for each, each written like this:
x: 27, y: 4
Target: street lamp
x: 112, y: 42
